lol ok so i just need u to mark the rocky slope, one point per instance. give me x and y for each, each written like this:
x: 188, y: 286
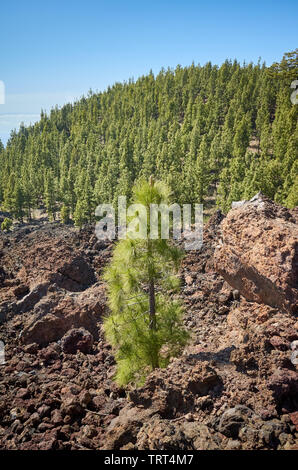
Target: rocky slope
x: 234, y: 387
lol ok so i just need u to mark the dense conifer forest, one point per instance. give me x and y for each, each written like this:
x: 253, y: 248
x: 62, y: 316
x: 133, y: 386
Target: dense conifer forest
x: 214, y: 134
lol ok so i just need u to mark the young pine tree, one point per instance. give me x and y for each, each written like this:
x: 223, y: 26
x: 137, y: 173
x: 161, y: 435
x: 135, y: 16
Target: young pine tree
x: 79, y: 216
x: 6, y: 224
x: 145, y: 324
x: 50, y: 195
x: 18, y: 209
x: 65, y: 214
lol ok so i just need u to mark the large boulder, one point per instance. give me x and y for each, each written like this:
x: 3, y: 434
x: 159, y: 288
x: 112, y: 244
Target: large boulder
x: 259, y: 253
x: 54, y: 315
x: 47, y: 256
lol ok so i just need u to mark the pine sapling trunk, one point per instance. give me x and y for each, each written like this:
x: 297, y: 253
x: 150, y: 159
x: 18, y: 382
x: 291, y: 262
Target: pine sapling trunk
x: 152, y: 324
x: 152, y: 312
x: 152, y: 316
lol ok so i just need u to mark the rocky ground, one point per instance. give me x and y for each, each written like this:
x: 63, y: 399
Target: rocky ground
x: 234, y: 387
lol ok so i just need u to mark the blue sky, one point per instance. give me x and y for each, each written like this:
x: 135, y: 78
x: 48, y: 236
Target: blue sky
x: 55, y: 51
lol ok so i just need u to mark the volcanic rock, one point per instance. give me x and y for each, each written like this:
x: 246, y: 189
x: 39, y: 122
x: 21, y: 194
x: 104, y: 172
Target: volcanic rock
x: 259, y: 253
x: 239, y: 360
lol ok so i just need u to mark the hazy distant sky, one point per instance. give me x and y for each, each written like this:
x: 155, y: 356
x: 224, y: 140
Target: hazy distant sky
x: 54, y: 51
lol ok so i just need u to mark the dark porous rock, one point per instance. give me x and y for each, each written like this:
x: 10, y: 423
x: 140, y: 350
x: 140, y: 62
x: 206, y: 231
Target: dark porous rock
x: 233, y: 419
x: 77, y: 339
x: 20, y: 291
x: 271, y: 431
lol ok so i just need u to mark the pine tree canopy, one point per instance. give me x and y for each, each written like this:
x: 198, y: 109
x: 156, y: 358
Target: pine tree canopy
x: 287, y: 68
x: 211, y: 133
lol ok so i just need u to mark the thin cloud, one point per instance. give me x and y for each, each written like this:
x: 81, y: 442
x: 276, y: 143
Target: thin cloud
x: 10, y: 121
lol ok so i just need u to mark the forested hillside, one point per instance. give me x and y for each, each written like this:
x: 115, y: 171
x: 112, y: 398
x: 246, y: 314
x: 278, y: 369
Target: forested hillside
x: 214, y: 133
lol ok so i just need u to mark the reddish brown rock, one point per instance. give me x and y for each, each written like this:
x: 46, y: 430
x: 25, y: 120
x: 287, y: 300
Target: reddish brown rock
x: 284, y: 385
x: 51, y: 259
x: 125, y: 427
x: 56, y: 417
x: 49, y: 440
x: 259, y: 253
x: 279, y: 343
x: 51, y: 353
x: 294, y: 419
x: 23, y: 393
x: 71, y: 407
x: 85, y: 398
